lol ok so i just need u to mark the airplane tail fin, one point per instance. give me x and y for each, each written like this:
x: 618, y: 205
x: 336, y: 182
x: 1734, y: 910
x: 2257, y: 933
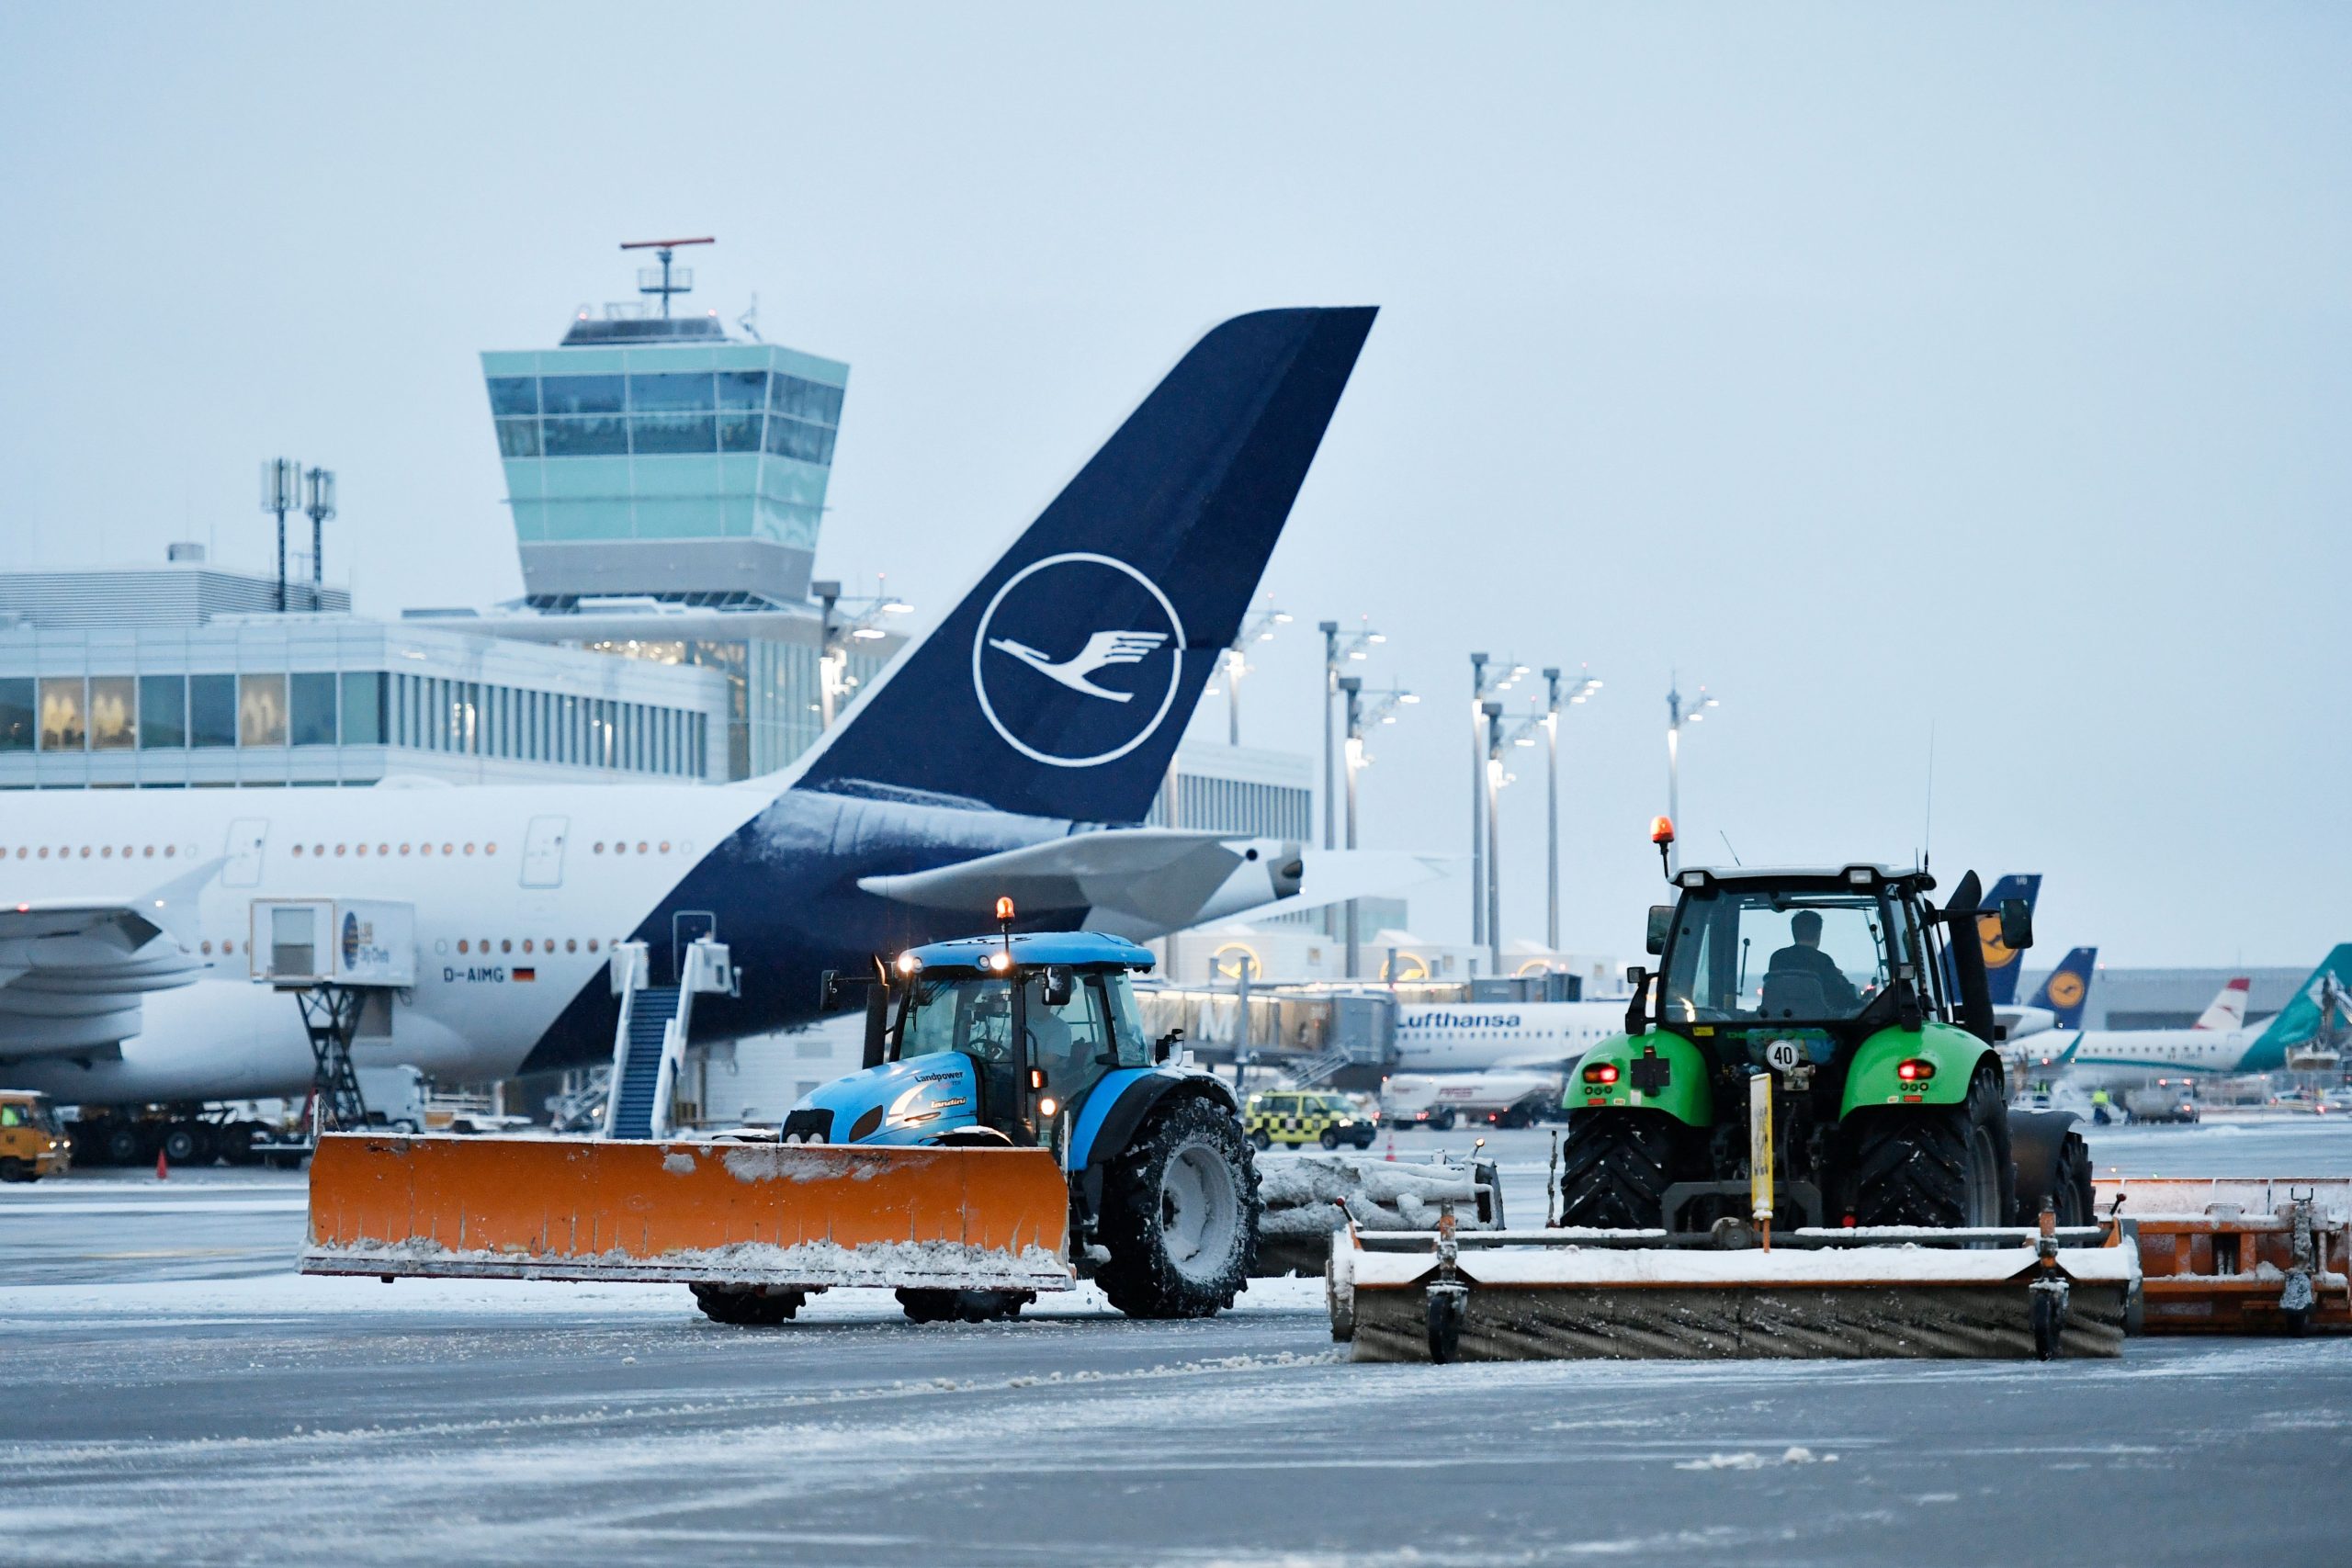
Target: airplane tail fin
x: 2002, y: 963
x: 2228, y: 1010
x: 1059, y: 685
x: 2068, y: 989
x: 2319, y: 1008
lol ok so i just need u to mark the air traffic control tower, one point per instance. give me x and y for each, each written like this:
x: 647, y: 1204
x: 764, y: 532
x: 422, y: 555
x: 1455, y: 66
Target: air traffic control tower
x: 648, y: 454
x: 667, y: 482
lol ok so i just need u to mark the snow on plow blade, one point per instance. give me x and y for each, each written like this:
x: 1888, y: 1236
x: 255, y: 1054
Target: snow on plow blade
x: 1570, y: 1295
x: 1309, y: 1196
x: 2240, y: 1255
x: 747, y: 1214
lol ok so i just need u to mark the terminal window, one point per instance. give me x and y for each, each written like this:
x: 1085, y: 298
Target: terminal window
x: 665, y: 414
x: 212, y: 710
x: 18, y: 715
x: 162, y: 711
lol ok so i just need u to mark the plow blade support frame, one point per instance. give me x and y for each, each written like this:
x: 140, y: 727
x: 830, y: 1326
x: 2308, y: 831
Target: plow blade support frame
x: 794, y: 1214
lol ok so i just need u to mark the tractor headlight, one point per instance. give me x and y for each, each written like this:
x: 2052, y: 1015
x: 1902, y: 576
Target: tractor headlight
x: 1048, y: 1106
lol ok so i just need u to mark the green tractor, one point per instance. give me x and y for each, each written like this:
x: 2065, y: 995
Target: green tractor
x: 1866, y: 1006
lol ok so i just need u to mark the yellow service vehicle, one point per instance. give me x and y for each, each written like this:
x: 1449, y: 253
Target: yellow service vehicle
x: 32, y: 1142
x: 1300, y: 1119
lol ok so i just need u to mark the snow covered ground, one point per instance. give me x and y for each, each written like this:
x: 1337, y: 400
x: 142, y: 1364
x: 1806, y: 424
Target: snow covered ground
x: 178, y: 1396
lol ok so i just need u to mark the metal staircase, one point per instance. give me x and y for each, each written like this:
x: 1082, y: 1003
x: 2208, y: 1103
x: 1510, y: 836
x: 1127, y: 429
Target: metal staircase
x: 636, y: 1077
x: 650, y: 1040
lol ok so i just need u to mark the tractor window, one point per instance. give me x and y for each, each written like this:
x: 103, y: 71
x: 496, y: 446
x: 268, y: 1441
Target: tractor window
x: 1126, y: 1026
x: 1066, y: 1042
x: 1816, y: 956
x: 974, y: 1017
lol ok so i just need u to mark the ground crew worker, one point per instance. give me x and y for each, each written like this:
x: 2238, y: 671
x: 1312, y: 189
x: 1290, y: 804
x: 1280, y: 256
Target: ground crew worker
x: 2099, y: 1108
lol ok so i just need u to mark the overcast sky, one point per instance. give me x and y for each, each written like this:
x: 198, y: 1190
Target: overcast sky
x: 1973, y: 370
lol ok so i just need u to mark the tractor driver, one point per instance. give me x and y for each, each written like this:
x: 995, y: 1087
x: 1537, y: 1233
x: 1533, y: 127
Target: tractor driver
x: 1803, y: 957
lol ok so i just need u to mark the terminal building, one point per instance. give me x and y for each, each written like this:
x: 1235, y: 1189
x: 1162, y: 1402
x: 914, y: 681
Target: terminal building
x: 176, y: 677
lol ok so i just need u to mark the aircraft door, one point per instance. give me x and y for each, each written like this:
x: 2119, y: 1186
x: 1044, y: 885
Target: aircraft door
x: 684, y: 927
x: 543, y: 851
x: 247, y: 835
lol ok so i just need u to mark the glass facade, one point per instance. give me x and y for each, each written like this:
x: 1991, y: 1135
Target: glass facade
x: 775, y: 706
x: 666, y: 442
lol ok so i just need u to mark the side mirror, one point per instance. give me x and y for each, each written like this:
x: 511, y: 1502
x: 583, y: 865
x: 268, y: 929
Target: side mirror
x: 1637, y: 1011
x: 1166, y: 1046
x: 1908, y: 1014
x: 1059, y: 987
x: 2017, y: 924
x: 1661, y: 922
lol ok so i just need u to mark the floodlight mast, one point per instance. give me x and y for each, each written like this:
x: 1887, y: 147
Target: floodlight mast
x: 663, y: 250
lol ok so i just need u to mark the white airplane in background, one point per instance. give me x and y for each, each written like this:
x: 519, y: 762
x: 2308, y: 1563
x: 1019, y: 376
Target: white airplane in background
x: 964, y: 772
x: 2125, y: 1058
x: 1469, y: 1037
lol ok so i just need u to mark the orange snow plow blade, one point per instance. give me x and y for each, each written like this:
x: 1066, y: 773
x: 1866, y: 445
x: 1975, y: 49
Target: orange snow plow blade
x: 2232, y: 1255
x: 797, y: 1214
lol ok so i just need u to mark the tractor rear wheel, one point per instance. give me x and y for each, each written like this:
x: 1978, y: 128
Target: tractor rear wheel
x: 1615, y: 1166
x: 963, y: 1306
x: 1945, y: 1167
x: 748, y: 1306
x: 1180, y: 1214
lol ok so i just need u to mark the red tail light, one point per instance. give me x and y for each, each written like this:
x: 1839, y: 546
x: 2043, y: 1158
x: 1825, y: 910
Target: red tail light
x: 1915, y: 1069
x: 1600, y: 1072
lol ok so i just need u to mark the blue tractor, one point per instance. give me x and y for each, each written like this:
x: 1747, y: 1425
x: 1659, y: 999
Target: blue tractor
x: 1033, y: 1040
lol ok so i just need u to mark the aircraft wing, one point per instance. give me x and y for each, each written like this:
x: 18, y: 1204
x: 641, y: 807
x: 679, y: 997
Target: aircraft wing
x: 71, y: 970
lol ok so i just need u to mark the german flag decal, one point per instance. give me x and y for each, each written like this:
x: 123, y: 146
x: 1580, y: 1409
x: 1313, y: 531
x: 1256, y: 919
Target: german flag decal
x: 527, y: 974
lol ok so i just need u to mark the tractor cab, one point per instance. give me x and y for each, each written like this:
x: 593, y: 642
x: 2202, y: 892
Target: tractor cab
x: 986, y: 1039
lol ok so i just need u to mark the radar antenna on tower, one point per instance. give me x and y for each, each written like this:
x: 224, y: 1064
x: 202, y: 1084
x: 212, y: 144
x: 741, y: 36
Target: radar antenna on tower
x: 662, y: 283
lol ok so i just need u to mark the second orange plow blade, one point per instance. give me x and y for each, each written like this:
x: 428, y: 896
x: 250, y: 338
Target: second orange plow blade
x: 711, y: 1213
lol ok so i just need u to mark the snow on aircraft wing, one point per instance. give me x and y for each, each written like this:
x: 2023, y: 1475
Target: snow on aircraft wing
x: 1141, y: 877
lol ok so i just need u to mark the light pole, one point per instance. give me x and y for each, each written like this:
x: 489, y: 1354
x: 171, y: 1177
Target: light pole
x: 1493, y: 712
x: 1482, y: 686
x: 1384, y: 711
x: 1237, y: 666
x: 281, y: 491
x: 319, y: 484
x: 835, y: 632
x: 1676, y: 717
x: 1584, y: 687
x: 1336, y: 649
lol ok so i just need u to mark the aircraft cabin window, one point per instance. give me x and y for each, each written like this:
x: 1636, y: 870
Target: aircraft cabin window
x: 204, y: 947
x: 403, y: 849
x: 506, y: 944
x: 592, y: 944
x: 571, y: 945
x: 527, y: 944
x: 470, y: 849
x: 461, y: 945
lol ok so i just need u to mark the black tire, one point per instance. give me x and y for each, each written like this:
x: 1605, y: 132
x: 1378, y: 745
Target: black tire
x: 2072, y: 1196
x: 2049, y: 1325
x: 1442, y: 1122
x: 120, y: 1145
x: 748, y: 1306
x: 236, y: 1142
x: 963, y: 1306
x: 185, y: 1143
x: 1180, y: 1214
x: 1444, y: 1312
x: 1615, y: 1166
x: 1330, y: 1139
x: 1945, y: 1165
x: 17, y: 1171
x: 1259, y: 1140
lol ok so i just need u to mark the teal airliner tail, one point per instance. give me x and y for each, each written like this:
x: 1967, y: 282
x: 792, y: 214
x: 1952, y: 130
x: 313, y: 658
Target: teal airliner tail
x: 2320, y: 1006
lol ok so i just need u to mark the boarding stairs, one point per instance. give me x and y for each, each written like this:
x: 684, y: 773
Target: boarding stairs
x: 650, y: 1037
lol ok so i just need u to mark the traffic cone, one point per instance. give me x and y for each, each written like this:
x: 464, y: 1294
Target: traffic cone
x: 1392, y: 1145
x: 162, y: 1166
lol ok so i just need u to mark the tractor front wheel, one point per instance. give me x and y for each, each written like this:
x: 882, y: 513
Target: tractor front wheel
x: 1180, y: 1214
x: 748, y: 1306
x: 1615, y: 1167
x: 1944, y: 1167
x: 963, y: 1306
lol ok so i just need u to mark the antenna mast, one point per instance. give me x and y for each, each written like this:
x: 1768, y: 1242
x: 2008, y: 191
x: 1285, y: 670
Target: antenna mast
x: 649, y: 283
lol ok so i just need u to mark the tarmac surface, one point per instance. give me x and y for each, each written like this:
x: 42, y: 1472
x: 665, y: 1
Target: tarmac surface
x: 178, y: 1396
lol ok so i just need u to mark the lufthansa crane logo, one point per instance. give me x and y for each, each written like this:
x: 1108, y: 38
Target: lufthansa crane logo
x: 2066, y: 988
x: 1998, y: 954
x: 350, y: 940
x: 1076, y: 660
